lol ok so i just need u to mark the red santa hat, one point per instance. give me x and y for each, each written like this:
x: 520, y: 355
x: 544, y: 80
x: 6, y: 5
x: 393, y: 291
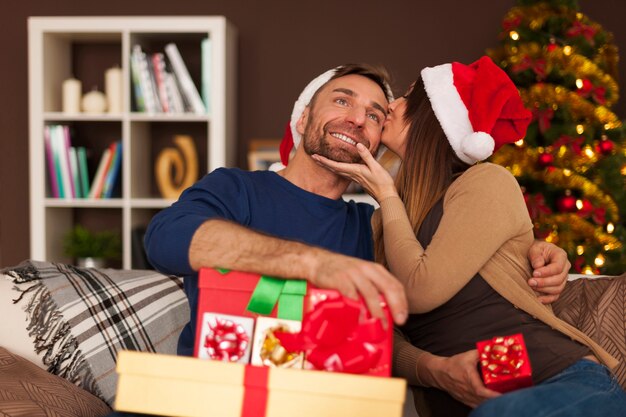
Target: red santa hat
x: 477, y: 105
x: 291, y: 138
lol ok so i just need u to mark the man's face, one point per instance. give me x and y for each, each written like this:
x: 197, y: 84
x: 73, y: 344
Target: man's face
x: 347, y: 110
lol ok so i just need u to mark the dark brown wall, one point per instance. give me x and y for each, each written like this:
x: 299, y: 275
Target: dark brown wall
x: 282, y: 45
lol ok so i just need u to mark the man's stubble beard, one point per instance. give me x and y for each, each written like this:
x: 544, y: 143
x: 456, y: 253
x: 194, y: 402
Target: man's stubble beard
x: 316, y: 141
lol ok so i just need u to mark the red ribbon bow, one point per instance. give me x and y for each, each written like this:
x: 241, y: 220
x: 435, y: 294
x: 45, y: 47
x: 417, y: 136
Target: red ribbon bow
x: 512, y: 23
x: 580, y: 29
x: 598, y: 94
x: 536, y: 205
x: 336, y: 337
x: 597, y: 214
x: 226, y: 340
x: 544, y: 118
x: 575, y: 144
x: 537, y: 65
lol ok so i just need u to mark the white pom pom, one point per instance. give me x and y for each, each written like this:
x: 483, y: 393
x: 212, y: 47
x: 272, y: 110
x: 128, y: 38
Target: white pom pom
x: 477, y: 146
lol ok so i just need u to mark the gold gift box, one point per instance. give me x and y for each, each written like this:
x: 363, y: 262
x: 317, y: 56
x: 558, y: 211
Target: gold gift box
x: 188, y: 387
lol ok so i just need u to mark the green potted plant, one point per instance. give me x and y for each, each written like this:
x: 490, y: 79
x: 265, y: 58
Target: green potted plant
x: 91, y: 249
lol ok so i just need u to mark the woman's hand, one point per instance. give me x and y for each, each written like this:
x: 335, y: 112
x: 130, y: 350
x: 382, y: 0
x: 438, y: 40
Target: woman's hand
x: 371, y: 176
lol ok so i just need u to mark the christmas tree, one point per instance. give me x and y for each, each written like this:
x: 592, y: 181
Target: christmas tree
x: 572, y: 163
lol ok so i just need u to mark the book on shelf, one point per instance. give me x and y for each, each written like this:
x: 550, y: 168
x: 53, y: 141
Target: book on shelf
x: 162, y: 84
x: 50, y: 162
x: 61, y: 174
x: 173, y: 92
x: 98, y: 180
x: 66, y: 145
x: 140, y: 104
x: 188, y: 88
x: 113, y: 172
x: 206, y: 73
x: 84, y: 172
x: 74, y: 172
x: 143, y: 70
x: 158, y: 66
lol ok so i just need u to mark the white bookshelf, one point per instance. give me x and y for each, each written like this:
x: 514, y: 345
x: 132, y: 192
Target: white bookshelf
x: 58, y: 48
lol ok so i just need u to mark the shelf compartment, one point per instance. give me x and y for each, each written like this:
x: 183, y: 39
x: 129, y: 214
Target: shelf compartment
x: 148, y: 139
x: 84, y: 56
x: 60, y: 220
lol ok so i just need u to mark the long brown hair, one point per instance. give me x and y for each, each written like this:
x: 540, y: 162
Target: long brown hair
x: 429, y: 165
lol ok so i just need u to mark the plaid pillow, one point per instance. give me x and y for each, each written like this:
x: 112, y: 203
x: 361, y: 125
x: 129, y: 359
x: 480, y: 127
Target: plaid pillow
x: 81, y: 317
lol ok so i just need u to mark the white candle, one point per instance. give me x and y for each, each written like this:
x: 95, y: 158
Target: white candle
x: 72, y: 92
x: 113, y: 89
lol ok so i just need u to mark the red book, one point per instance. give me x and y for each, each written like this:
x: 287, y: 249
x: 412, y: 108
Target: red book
x: 52, y: 176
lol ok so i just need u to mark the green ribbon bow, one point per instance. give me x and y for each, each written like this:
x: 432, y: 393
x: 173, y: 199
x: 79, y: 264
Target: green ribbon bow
x: 288, y: 293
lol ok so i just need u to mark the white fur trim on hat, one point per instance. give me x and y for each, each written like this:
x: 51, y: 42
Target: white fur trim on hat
x: 304, y: 100
x: 478, y: 145
x: 449, y: 108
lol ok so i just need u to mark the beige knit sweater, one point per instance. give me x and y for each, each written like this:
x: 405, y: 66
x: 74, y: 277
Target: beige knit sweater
x: 485, y: 228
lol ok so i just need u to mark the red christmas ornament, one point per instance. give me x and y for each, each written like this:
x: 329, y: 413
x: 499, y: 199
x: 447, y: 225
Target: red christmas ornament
x: 552, y: 47
x: 510, y: 24
x: 545, y: 160
x: 567, y: 203
x: 606, y: 146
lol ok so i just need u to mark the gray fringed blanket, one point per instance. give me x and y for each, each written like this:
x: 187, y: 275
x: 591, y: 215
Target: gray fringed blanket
x: 81, y: 317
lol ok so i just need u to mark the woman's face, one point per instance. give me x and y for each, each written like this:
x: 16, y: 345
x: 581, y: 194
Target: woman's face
x: 395, y: 128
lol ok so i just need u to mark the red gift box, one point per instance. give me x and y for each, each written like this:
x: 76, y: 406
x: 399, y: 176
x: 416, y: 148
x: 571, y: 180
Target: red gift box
x: 340, y: 334
x: 504, y: 363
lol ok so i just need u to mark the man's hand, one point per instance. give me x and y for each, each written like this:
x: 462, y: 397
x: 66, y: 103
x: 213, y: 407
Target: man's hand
x: 550, y: 266
x: 353, y: 277
x: 457, y: 375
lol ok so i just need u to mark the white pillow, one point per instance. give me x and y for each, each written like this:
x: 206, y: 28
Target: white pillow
x: 13, y: 334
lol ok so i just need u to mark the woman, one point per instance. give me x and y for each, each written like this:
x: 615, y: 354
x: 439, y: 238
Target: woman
x: 456, y: 234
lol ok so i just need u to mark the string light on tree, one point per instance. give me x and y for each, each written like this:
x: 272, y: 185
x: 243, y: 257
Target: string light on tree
x: 610, y: 227
x: 599, y: 261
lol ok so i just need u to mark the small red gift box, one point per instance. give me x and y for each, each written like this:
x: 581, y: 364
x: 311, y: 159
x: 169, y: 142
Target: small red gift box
x: 504, y: 363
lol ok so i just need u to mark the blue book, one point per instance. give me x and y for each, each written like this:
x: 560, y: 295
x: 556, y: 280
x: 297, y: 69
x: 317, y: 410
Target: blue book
x: 116, y: 165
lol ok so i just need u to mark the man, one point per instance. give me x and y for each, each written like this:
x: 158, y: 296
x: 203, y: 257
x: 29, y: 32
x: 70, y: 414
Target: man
x: 293, y: 223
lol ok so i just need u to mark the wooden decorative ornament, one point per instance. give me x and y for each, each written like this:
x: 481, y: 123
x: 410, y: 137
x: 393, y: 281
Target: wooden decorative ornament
x: 176, y: 168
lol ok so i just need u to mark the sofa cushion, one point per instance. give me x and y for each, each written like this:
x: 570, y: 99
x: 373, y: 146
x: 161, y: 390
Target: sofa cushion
x: 598, y: 307
x: 79, y: 318
x: 27, y: 390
